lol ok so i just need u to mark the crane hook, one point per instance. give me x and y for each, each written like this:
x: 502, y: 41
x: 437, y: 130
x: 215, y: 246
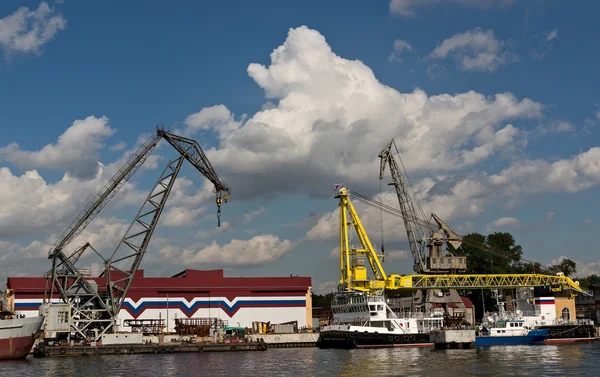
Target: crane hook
x: 219, y: 201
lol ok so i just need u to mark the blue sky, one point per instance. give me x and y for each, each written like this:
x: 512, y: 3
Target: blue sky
x: 494, y: 104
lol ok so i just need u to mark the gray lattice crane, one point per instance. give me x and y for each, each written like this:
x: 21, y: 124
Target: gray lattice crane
x: 94, y: 304
x: 426, y: 244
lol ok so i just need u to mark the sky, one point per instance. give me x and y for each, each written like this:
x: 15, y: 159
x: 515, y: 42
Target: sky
x: 494, y: 106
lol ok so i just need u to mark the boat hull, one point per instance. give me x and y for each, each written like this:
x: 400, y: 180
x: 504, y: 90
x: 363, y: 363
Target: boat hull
x: 568, y: 333
x: 533, y: 337
x: 348, y: 340
x: 17, y: 336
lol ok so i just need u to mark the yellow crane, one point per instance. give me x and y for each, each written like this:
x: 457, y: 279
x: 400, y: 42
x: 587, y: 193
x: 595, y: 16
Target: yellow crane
x: 354, y: 277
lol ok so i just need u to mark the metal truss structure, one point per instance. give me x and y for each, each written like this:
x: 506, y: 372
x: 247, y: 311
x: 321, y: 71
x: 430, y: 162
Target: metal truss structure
x: 353, y: 273
x: 95, y: 303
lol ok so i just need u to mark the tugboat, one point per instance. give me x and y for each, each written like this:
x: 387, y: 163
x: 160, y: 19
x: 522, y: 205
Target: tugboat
x: 539, y: 312
x: 510, y: 332
x: 501, y: 329
x: 366, y: 321
x: 17, y: 332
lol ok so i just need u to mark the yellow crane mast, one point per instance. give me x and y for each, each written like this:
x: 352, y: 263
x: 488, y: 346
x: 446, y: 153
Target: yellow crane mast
x: 354, y: 277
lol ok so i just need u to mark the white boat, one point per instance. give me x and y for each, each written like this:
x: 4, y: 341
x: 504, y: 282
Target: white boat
x: 367, y: 321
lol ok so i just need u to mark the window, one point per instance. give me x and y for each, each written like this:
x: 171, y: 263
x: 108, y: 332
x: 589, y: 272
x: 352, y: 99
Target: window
x: 63, y: 317
x: 566, y: 314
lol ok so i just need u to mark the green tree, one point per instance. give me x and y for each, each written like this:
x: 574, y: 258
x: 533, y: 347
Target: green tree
x: 506, y: 254
x: 478, y: 261
x: 322, y: 301
x: 566, y: 266
x: 587, y: 281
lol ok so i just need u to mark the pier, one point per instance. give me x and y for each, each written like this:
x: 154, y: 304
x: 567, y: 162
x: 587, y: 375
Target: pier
x: 43, y: 350
x: 299, y: 340
x: 453, y: 339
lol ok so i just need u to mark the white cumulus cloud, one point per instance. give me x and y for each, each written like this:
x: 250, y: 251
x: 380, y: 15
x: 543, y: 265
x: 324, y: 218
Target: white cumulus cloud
x: 75, y: 150
x: 179, y: 216
x: 332, y: 116
x: 255, y: 251
x: 217, y: 118
x: 26, y: 31
x: 30, y: 204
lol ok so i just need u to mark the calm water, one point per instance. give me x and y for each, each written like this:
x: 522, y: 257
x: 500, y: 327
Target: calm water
x: 544, y: 360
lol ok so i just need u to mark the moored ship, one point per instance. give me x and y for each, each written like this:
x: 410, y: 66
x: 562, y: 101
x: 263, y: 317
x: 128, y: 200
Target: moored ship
x: 17, y: 333
x: 367, y: 321
x: 550, y: 313
x: 509, y: 332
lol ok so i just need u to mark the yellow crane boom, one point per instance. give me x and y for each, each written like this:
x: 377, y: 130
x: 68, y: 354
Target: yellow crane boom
x: 354, y: 277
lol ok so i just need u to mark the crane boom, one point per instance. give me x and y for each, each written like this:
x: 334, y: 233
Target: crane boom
x: 414, y: 230
x: 490, y: 281
x: 110, y: 189
x: 192, y: 152
x: 426, y: 245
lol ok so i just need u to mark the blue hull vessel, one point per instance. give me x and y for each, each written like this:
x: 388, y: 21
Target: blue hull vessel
x: 532, y: 337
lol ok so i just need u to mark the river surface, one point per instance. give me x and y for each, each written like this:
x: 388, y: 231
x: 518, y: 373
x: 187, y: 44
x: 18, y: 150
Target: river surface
x: 538, y: 360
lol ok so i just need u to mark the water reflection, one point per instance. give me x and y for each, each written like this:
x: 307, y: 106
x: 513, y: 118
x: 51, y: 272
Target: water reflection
x: 545, y: 360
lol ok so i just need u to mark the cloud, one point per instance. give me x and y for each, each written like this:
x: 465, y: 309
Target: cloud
x: 26, y: 31
x: 544, y: 44
x: 406, y: 8
x: 464, y: 196
x: 390, y: 256
x: 182, y: 195
x: 397, y: 255
x: 55, y: 204
x: 256, y: 251
x: 584, y: 269
x: 118, y: 147
x: 435, y: 71
x: 210, y: 233
x: 251, y: 215
x: 180, y: 216
x: 333, y: 116
x: 326, y: 287
x: 399, y: 47
x: 598, y: 111
x: 104, y: 233
x: 587, y: 221
x: 217, y: 118
x: 475, y: 50
x: 448, y: 198
x: 578, y: 173
x: 505, y: 222
x: 556, y: 127
x: 587, y: 268
x: 75, y: 150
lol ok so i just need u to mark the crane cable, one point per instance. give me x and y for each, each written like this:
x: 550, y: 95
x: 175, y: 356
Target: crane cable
x: 381, y: 223
x: 396, y: 212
